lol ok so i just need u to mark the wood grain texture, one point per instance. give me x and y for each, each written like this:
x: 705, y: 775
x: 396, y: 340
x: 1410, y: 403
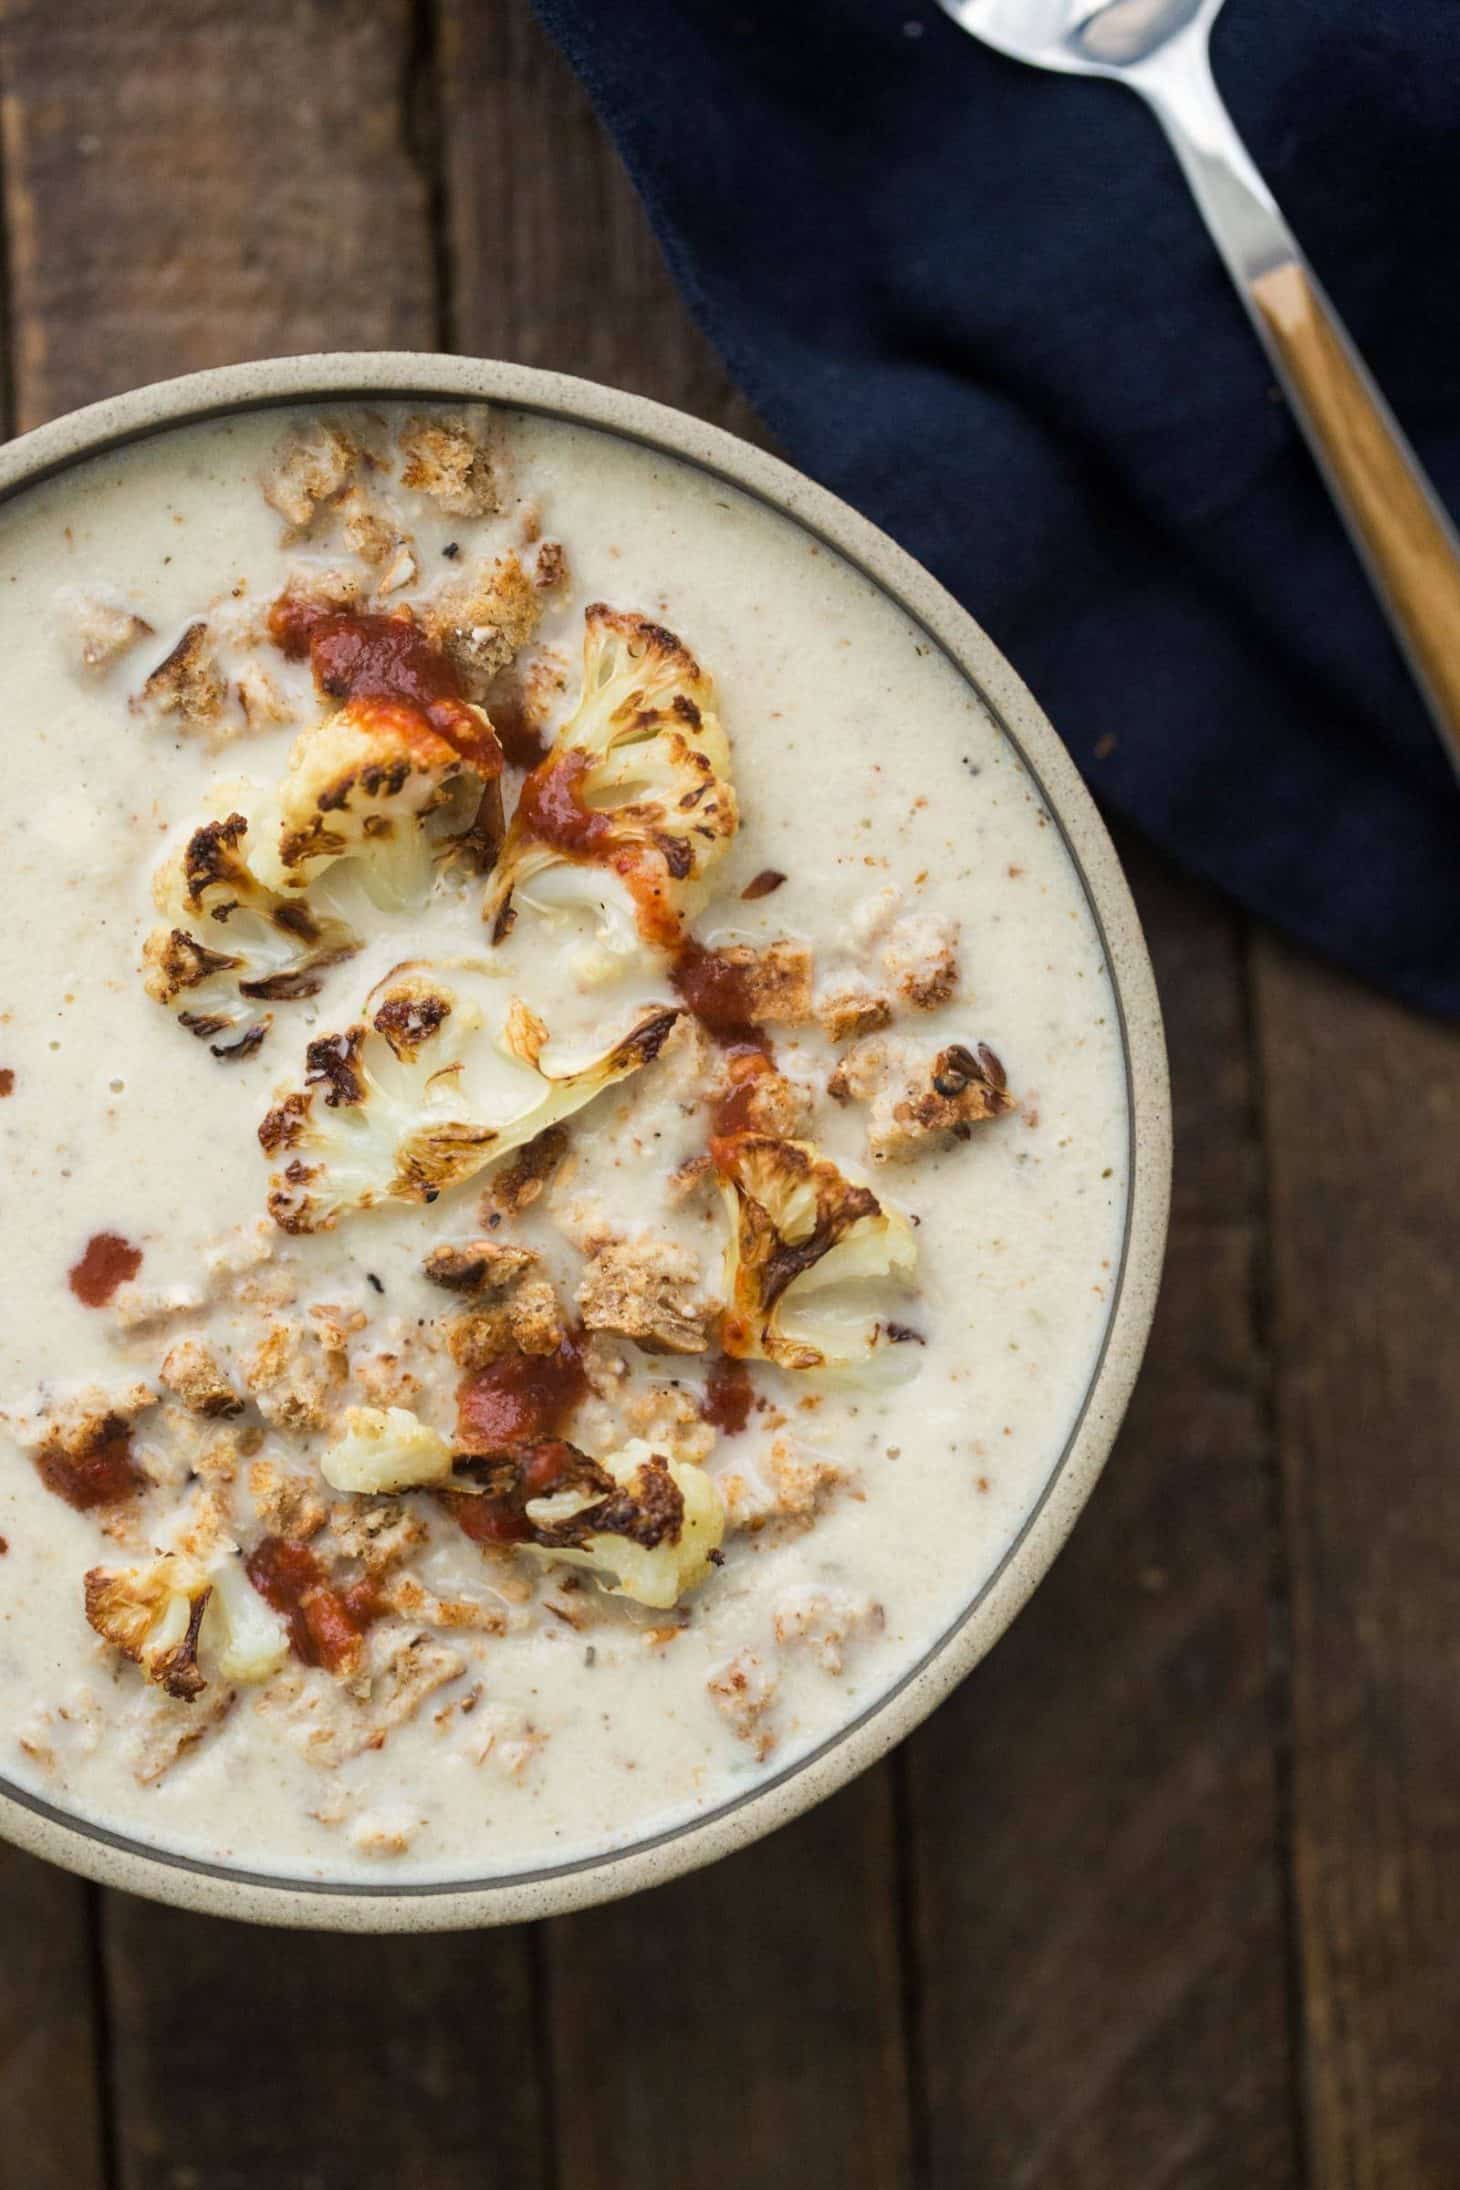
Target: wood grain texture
x: 1409, y: 542
x: 1095, y: 1818
x: 743, y: 2024
x: 192, y: 182
x: 189, y: 182
x: 1362, y: 1103
x: 552, y: 259
x: 760, y: 2031
x: 275, y: 2061
x: 51, y: 2129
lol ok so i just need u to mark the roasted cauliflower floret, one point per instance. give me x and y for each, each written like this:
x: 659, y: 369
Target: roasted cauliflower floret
x: 383, y: 1449
x: 388, y: 1110
x: 375, y: 783
x: 804, y: 1240
x: 153, y: 1614
x: 633, y: 806
x: 646, y: 1526
x: 243, y: 1639
x: 232, y: 946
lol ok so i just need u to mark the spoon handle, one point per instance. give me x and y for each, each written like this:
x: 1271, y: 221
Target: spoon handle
x: 1394, y: 517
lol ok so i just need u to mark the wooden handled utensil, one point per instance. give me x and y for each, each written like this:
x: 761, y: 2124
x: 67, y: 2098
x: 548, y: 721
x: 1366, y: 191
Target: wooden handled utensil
x: 1394, y: 517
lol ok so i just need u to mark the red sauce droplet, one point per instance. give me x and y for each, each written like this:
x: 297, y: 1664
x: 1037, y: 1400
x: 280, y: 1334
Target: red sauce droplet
x: 326, y: 1625
x: 735, y: 1111
x: 520, y: 738
x: 719, y: 993
x: 101, y: 1474
x: 501, y: 1518
x: 729, y: 1395
x: 519, y: 1399
x: 762, y: 884
x: 553, y: 809
x: 292, y: 620
x: 7, y: 1080
x: 109, y: 1261
x: 388, y: 660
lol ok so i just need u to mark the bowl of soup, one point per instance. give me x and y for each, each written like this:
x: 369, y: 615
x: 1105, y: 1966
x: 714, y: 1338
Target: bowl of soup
x: 585, y: 1143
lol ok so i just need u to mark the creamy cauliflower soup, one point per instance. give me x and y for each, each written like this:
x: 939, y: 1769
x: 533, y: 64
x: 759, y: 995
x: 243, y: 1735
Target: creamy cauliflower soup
x: 565, y: 1138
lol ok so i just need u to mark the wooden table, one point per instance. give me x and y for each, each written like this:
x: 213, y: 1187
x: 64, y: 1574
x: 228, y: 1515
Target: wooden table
x: 1169, y: 1894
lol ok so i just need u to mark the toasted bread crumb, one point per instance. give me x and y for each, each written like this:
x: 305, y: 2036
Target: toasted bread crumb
x: 643, y: 1289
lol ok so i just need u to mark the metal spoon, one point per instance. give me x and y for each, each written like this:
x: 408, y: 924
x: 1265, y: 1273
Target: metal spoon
x: 1394, y: 517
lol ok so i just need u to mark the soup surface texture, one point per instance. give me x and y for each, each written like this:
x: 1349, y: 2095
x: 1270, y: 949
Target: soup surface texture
x: 564, y: 1140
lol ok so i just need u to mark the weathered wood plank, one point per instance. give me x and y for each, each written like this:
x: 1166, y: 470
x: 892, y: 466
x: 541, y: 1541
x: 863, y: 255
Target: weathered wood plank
x: 553, y: 261
x: 1362, y: 1101
x: 189, y: 182
x: 51, y: 2135
x: 374, y: 2062
x: 193, y: 182
x: 764, y: 2033
x: 52, y: 2103
x: 1098, y: 1883
x: 761, y: 2039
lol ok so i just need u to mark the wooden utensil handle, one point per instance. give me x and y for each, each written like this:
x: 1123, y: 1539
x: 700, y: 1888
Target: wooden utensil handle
x: 1396, y: 522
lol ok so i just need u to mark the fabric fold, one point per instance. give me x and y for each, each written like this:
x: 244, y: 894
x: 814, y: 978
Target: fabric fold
x: 976, y: 300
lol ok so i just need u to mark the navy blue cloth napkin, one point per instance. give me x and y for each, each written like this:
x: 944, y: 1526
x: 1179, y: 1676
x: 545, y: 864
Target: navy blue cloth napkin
x: 976, y: 301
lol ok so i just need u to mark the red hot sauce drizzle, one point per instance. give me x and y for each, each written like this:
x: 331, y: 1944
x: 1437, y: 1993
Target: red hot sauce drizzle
x: 326, y: 1625
x: 519, y: 1399
x: 499, y: 1516
x: 552, y: 808
x: 719, y: 993
x: 385, y: 662
x: 728, y: 1396
x: 517, y: 1407
x: 735, y: 1110
x: 102, y: 1472
x: 109, y: 1261
x: 520, y: 738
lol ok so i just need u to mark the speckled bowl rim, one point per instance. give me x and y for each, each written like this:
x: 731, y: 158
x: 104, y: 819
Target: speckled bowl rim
x: 115, y: 1860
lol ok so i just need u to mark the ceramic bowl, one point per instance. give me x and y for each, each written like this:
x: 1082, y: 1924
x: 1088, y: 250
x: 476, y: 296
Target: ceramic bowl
x: 115, y: 1860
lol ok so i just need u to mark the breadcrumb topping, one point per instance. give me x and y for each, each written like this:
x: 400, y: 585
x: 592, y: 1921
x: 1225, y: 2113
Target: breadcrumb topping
x: 191, y: 1372
x: 915, y: 1098
x: 104, y: 630
x: 310, y: 468
x: 645, y: 1289
x: 745, y: 1691
x: 483, y: 619
x: 451, y: 460
x: 187, y: 690
x: 295, y: 1376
